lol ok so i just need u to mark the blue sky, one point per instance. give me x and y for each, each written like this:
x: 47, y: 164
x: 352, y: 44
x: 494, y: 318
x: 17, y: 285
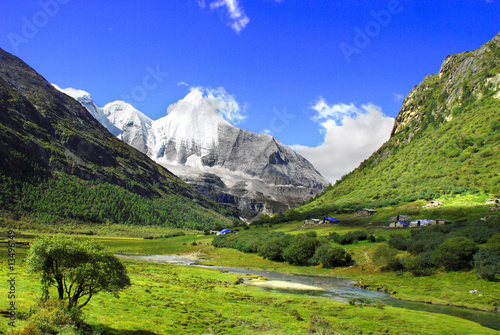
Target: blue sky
x: 303, y: 71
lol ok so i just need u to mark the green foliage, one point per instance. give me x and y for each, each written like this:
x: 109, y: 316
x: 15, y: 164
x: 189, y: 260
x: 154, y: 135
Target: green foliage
x: 349, y: 238
x: 76, y: 268
x: 52, y: 317
x: 419, y: 265
x: 455, y: 254
x: 301, y: 250
x: 494, y: 244
x: 331, y: 257
x: 399, y: 242
x: 273, y: 248
x: 452, y: 247
x: 71, y: 199
x: 487, y: 265
x: 387, y: 258
x: 442, y: 150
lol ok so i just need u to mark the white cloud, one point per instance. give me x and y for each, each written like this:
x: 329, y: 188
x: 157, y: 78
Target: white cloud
x: 234, y: 13
x: 398, y: 97
x: 224, y: 102
x: 335, y: 112
x: 237, y: 17
x: 352, y: 134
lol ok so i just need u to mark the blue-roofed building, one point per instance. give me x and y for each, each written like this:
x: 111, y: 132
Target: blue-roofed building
x: 224, y: 231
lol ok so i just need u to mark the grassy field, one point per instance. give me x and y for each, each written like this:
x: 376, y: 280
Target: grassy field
x: 176, y: 299
x: 169, y: 299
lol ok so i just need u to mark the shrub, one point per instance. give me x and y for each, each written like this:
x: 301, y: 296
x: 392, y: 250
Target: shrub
x: 479, y: 234
x: 333, y: 236
x: 386, y: 258
x: 455, y: 254
x: 273, y: 248
x: 494, y: 244
x: 487, y: 265
x: 350, y: 238
x: 399, y: 242
x: 301, y: 250
x: 52, y: 317
x: 253, y: 245
x: 418, y: 265
x: 331, y: 257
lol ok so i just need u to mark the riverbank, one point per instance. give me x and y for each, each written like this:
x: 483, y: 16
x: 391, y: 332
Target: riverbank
x: 166, y: 298
x: 177, y: 299
x: 441, y: 288
x: 336, y: 288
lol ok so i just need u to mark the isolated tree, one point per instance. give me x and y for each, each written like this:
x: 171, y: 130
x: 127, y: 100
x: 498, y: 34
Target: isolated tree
x: 77, y: 268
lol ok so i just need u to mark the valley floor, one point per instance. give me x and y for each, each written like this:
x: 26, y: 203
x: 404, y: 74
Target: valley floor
x: 174, y: 299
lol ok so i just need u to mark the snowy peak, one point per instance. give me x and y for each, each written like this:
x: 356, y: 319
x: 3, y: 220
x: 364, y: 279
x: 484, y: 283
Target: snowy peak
x: 86, y: 100
x: 75, y: 93
x: 193, y: 120
x: 251, y: 172
x: 195, y: 106
x: 122, y: 114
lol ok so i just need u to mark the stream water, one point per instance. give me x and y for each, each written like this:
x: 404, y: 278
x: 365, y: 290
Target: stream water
x: 337, y: 288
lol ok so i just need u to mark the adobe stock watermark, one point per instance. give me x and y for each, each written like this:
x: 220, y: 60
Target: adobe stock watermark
x: 280, y: 120
x: 12, y: 274
x: 150, y: 82
x: 372, y: 29
x: 31, y: 27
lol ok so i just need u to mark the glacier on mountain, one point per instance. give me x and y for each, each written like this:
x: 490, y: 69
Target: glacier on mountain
x: 253, y: 173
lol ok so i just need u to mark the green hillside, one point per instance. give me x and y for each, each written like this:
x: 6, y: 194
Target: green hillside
x: 57, y: 164
x: 445, y: 140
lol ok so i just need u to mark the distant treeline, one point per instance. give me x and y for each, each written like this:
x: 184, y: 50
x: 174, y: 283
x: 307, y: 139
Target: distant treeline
x: 454, y: 247
x: 66, y: 199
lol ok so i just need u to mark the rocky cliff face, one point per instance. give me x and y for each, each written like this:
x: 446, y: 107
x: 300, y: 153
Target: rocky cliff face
x: 253, y: 173
x: 462, y: 77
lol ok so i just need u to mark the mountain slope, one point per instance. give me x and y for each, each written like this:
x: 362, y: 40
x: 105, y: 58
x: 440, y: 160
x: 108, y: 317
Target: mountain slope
x: 445, y: 140
x: 251, y: 172
x: 59, y: 162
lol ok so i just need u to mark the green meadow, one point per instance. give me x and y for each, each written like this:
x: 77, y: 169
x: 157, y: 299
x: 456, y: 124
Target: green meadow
x: 174, y: 299
x: 171, y: 299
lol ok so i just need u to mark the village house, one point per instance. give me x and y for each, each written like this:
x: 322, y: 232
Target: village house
x: 433, y: 203
x: 401, y: 217
x: 495, y: 208
x: 399, y: 224
x: 366, y: 212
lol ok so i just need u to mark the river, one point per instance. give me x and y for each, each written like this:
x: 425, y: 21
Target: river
x: 337, y: 288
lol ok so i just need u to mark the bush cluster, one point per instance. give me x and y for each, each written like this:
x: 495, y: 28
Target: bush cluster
x: 55, y: 317
x: 301, y: 249
x: 349, y: 238
x: 454, y: 247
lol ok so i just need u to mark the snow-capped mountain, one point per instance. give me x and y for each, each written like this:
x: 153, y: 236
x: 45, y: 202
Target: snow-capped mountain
x: 253, y: 172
